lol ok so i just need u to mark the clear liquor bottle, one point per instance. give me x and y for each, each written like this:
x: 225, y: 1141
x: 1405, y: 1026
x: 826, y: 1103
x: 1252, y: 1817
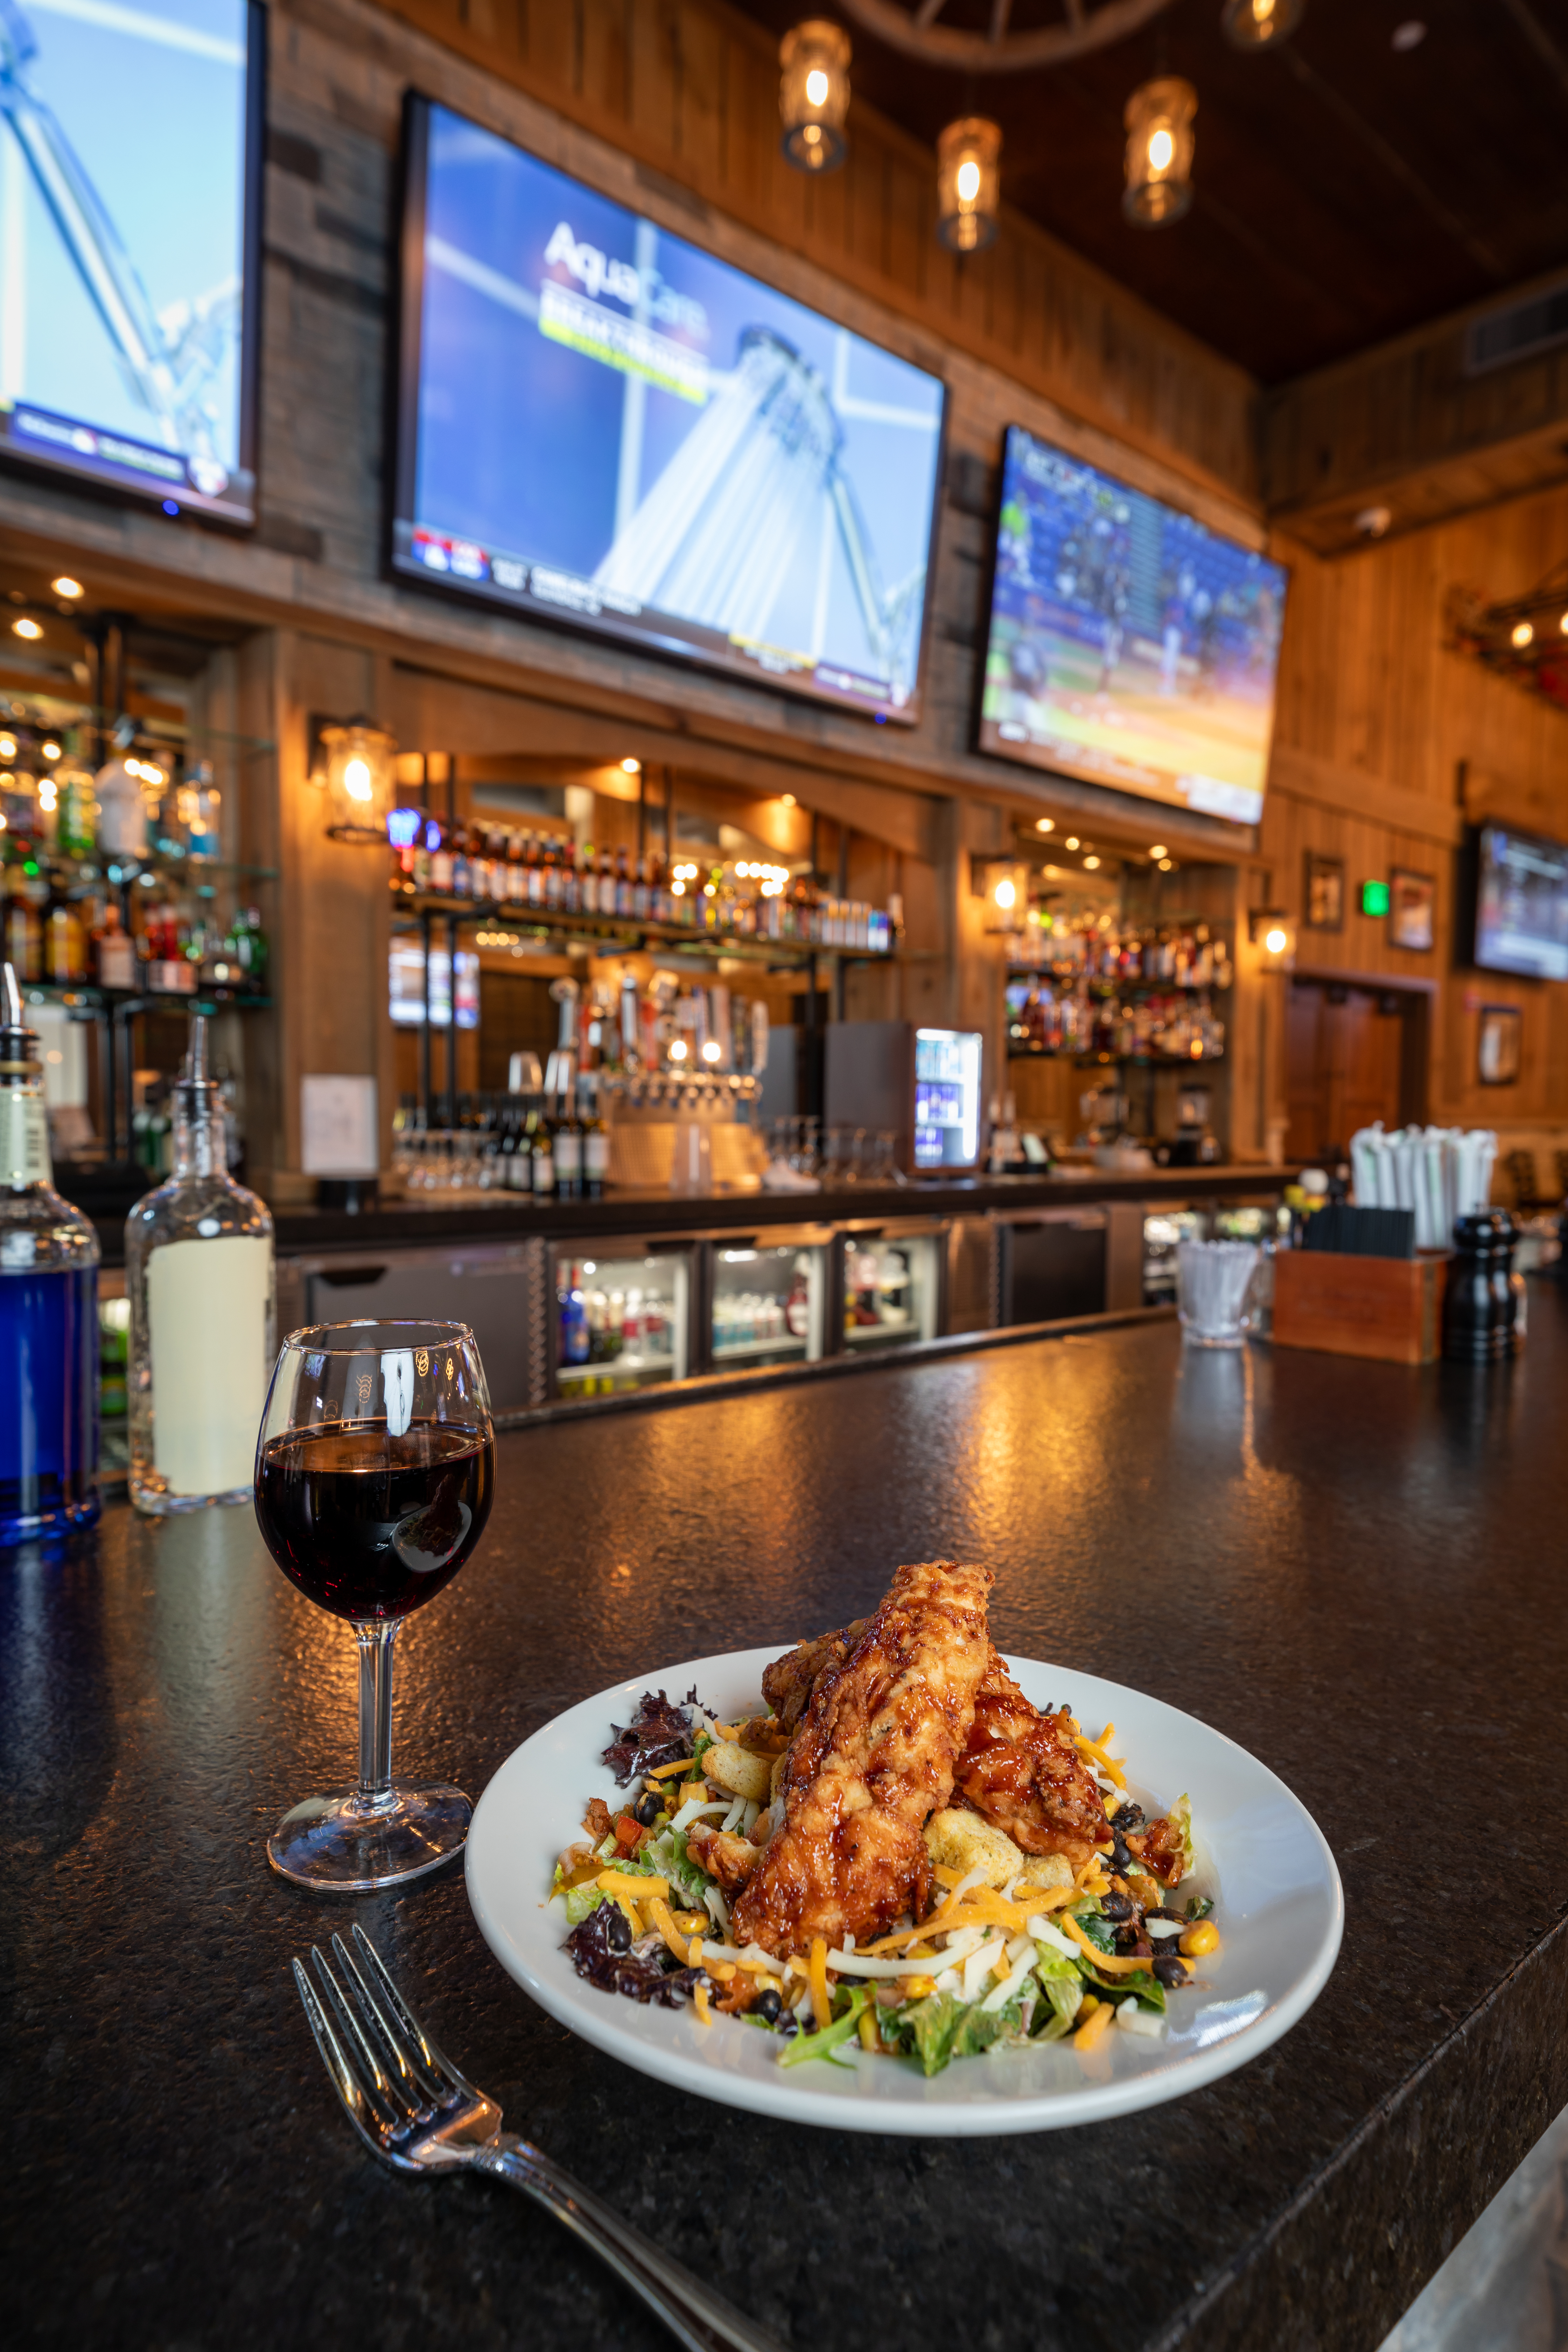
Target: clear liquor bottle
x: 48, y: 1310
x: 199, y: 1274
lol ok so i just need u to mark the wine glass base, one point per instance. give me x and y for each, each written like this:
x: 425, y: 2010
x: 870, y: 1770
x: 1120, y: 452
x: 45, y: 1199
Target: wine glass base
x: 346, y: 1844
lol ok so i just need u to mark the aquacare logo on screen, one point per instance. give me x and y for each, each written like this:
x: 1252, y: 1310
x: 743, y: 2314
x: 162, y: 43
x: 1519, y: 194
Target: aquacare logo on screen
x: 603, y: 424
x: 1129, y: 644
x: 126, y: 227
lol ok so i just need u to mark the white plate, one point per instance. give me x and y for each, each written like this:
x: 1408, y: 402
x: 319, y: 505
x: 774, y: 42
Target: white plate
x: 1278, y: 1907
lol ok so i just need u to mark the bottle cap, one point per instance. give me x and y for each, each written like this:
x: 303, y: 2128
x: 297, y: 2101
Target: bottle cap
x: 194, y: 1092
x: 20, y: 1053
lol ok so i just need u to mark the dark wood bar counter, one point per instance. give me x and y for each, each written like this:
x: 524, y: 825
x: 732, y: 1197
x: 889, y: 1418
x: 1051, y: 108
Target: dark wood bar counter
x: 1351, y: 1569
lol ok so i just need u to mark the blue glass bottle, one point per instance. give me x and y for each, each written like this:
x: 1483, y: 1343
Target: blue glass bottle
x: 49, y: 1311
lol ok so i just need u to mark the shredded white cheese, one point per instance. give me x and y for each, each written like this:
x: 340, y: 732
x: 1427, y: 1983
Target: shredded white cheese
x: 1146, y: 2022
x: 1162, y: 1927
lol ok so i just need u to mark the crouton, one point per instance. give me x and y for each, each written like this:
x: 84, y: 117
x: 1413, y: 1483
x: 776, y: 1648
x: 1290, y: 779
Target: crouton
x: 962, y: 1842
x: 1046, y: 1870
x: 736, y: 1769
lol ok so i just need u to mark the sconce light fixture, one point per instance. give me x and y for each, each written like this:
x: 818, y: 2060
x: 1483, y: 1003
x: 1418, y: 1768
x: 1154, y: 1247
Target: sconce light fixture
x: 813, y: 95
x: 353, y: 765
x: 1273, y: 933
x: 968, y: 183
x: 1159, y: 164
x: 1259, y: 23
x: 1004, y: 886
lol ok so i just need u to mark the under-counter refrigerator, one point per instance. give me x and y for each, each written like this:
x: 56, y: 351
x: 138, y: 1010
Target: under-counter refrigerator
x: 889, y: 1286
x: 623, y: 1316
x: 767, y: 1298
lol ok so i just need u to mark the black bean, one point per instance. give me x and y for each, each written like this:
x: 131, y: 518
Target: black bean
x: 1116, y: 1907
x: 1121, y: 1860
x: 1126, y: 1937
x: 1127, y: 1817
x: 1170, y: 1971
x: 618, y: 1930
x: 1158, y: 1911
x: 767, y: 2003
x: 648, y: 1808
x: 788, y: 2023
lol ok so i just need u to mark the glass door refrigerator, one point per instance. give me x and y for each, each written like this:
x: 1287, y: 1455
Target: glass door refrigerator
x: 919, y: 1086
x: 891, y: 1286
x: 623, y: 1316
x: 768, y: 1299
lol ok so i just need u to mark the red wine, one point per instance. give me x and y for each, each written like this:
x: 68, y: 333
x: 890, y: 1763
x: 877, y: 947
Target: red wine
x: 369, y: 1525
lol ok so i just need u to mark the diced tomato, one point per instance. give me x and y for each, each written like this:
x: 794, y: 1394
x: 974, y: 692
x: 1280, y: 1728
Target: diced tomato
x: 628, y: 1834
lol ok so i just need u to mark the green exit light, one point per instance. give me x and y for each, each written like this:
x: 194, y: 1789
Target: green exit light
x: 1375, y: 897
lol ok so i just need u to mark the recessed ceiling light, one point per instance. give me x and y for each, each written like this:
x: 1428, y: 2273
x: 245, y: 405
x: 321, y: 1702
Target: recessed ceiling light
x: 1071, y: 842
x: 66, y: 587
x: 631, y: 767
x: 1409, y: 36
x: 787, y: 799
x: 1166, y: 863
x: 1091, y: 862
x: 1159, y: 850
x: 1522, y: 633
x: 26, y: 628
x: 1044, y: 824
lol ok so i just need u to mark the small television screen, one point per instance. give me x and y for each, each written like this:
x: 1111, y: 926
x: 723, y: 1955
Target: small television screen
x: 1522, y: 904
x: 602, y: 425
x: 129, y: 209
x: 947, y: 1097
x: 408, y: 988
x: 1130, y: 645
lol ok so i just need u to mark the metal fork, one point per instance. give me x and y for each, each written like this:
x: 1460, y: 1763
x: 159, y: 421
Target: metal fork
x: 412, y: 2107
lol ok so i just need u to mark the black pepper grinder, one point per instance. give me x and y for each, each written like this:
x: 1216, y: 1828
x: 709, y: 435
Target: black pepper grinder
x: 1481, y: 1310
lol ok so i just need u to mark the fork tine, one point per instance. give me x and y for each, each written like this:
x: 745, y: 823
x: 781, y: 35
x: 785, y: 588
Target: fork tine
x: 439, y: 2068
x: 362, y: 2108
x: 374, y: 2079
x: 427, y: 2094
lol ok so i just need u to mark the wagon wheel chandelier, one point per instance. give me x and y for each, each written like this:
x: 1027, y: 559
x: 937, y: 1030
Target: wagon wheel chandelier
x: 1084, y: 25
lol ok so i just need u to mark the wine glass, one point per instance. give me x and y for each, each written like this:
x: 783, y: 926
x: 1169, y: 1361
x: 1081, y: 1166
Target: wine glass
x: 374, y: 1473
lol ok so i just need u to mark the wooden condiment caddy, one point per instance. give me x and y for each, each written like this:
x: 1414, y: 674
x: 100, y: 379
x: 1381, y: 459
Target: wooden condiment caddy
x: 1387, y: 1308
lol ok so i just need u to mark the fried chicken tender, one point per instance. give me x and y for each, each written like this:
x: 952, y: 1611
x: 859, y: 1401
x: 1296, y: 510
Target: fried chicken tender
x: 788, y: 1683
x: 874, y: 1756
x: 1021, y: 1771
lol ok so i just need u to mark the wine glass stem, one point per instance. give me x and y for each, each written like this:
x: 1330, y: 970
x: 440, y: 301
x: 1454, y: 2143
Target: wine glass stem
x: 374, y: 1709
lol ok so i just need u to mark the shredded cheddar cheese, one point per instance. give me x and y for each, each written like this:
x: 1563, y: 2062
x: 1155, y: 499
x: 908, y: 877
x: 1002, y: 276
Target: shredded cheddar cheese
x: 658, y: 1911
x: 1108, y: 1961
x: 1094, y: 2025
x: 700, y: 2003
x: 636, y: 1889
x: 817, y: 1977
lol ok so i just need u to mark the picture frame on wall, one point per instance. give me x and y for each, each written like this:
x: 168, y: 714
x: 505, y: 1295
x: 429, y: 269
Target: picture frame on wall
x: 1323, y: 893
x: 1499, y: 1045
x: 1412, y: 910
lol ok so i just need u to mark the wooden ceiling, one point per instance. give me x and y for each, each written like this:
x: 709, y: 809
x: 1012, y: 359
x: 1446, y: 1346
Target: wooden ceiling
x: 1347, y: 189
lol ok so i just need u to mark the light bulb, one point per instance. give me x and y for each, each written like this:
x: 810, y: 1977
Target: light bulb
x: 712, y: 1050
x: 1161, y: 147
x: 1276, y: 941
x: 47, y: 795
x: 1071, y: 842
x: 1159, y: 850
x: 7, y: 747
x: 678, y: 1050
x: 678, y: 889
x: 1044, y: 824
x: 1523, y: 633
x: 1005, y: 893
x: 816, y: 86
x: 66, y: 587
x: 631, y: 767
x: 50, y: 751
x: 356, y: 780
x: 26, y: 628
x: 1089, y: 863
x: 969, y: 181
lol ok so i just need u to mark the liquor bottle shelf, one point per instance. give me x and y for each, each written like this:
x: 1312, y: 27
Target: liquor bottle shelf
x: 89, y: 997
x: 624, y: 931
x: 1127, y: 1061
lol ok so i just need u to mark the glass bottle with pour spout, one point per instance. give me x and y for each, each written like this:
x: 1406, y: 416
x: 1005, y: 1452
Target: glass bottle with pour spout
x: 48, y: 1310
x: 199, y: 1274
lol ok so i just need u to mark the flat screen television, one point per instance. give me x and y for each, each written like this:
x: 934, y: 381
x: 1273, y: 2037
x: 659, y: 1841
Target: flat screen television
x: 602, y: 425
x: 131, y: 155
x: 1521, y: 903
x: 1129, y: 644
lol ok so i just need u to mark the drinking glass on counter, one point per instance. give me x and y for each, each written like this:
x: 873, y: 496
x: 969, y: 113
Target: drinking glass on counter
x: 374, y: 1473
x: 1214, y: 1292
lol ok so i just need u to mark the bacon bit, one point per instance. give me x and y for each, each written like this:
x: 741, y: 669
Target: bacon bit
x: 597, y: 1820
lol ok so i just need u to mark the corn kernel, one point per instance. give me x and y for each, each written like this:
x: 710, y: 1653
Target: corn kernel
x: 1203, y: 1937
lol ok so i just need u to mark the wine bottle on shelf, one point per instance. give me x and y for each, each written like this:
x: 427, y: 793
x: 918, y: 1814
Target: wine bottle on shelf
x: 595, y: 1142
x: 48, y: 1310
x: 199, y: 1275
x: 541, y: 1156
x: 568, y: 1144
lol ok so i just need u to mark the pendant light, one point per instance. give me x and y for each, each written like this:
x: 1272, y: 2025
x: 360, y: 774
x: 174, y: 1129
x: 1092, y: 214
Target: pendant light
x: 813, y: 95
x: 1259, y: 23
x: 1159, y: 120
x: 968, y: 183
